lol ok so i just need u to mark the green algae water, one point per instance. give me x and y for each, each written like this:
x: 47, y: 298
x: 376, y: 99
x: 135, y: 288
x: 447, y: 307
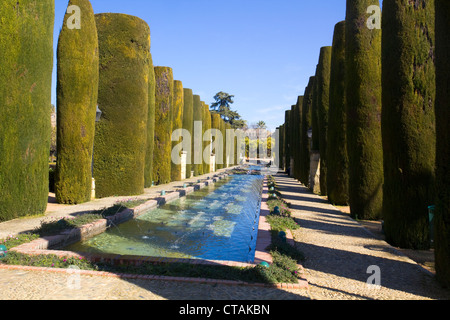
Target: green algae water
x: 219, y: 222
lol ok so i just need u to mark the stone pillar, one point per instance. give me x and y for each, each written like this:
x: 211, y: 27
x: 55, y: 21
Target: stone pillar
x: 183, y: 165
x: 314, y: 175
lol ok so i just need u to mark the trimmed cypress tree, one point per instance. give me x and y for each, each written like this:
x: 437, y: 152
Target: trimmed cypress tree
x: 188, y: 124
x: 207, y: 137
x: 215, y: 124
x: 121, y: 135
x: 296, y: 116
x: 148, y: 171
x: 323, y: 100
x: 26, y: 59
x: 162, y: 153
x: 408, y: 121
x: 336, y: 148
x: 177, y: 123
x: 224, y: 146
x: 287, y: 145
x: 315, y: 116
x: 363, y: 94
x: 197, y: 139
x: 77, y: 91
x: 442, y: 214
x: 306, y: 125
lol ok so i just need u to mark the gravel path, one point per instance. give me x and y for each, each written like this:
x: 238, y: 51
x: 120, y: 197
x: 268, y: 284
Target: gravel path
x: 340, y: 252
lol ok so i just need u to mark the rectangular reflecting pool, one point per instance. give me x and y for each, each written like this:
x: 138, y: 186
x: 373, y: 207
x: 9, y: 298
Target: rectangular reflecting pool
x: 218, y: 222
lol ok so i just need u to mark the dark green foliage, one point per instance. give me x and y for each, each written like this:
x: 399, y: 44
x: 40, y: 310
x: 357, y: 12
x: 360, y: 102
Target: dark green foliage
x: 26, y: 59
x: 188, y: 124
x: 363, y: 94
x: 177, y: 123
x: 197, y: 138
x: 323, y: 100
x: 315, y: 116
x: 215, y: 124
x: 408, y: 121
x: 442, y: 214
x: 148, y: 170
x: 77, y: 91
x: 162, y: 153
x: 287, y: 144
x: 296, y: 113
x: 336, y: 148
x: 224, y: 145
x: 121, y: 135
x: 207, y: 143
x: 305, y: 143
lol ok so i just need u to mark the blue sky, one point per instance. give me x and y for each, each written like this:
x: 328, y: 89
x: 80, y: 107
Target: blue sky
x: 261, y: 51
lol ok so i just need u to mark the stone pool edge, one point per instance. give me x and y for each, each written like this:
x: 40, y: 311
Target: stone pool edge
x: 43, y: 245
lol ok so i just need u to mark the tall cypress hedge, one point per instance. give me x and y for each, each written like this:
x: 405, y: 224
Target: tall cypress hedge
x: 408, y: 121
x: 198, y: 117
x: 121, y: 135
x: 363, y: 94
x: 442, y: 214
x: 26, y: 59
x: 217, y: 144
x: 336, y: 148
x: 224, y: 145
x: 162, y: 153
x: 188, y: 124
x: 315, y: 116
x: 306, y: 125
x: 297, y: 115
x: 177, y: 123
x: 77, y: 92
x: 287, y: 145
x: 148, y: 170
x: 207, y: 137
x: 323, y: 100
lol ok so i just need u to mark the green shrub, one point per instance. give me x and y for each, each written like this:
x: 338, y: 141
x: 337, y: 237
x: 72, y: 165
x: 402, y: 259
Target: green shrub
x: 336, y: 147
x: 77, y: 91
x: 408, y: 121
x: 162, y: 153
x: 177, y: 123
x: 148, y: 170
x: 442, y: 214
x: 121, y: 135
x: 26, y: 46
x: 363, y: 94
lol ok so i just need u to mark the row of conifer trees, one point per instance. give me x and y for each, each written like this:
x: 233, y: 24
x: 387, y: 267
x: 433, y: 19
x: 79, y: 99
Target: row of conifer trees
x: 105, y: 63
x: 379, y: 109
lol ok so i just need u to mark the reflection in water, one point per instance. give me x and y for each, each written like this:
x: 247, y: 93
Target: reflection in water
x: 219, y: 222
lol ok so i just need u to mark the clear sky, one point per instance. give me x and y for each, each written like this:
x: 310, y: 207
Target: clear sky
x: 261, y: 51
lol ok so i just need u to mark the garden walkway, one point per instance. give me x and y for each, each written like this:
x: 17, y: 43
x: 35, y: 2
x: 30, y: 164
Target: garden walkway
x: 338, y: 251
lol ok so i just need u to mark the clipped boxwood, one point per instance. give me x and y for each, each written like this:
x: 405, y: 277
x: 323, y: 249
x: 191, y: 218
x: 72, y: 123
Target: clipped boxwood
x: 323, y: 100
x: 188, y: 124
x: 121, y: 135
x: 26, y: 54
x: 442, y: 213
x: 148, y: 170
x: 363, y: 94
x: 408, y: 121
x: 336, y: 147
x: 77, y: 91
x: 162, y: 152
x: 177, y: 123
